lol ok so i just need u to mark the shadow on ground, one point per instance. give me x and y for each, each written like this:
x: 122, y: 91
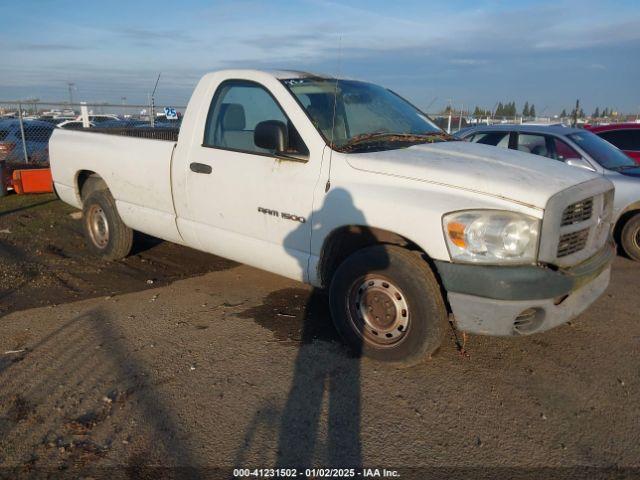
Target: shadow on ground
x: 43, y: 259
x: 92, y: 396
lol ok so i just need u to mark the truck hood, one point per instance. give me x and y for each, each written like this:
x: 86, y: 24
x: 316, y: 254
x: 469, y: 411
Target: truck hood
x: 508, y: 174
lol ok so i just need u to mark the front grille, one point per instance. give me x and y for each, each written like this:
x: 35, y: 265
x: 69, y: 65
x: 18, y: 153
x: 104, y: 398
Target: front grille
x: 572, y: 242
x: 577, y: 212
x: 576, y: 223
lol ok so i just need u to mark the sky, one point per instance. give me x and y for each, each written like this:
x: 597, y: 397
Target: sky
x: 462, y: 52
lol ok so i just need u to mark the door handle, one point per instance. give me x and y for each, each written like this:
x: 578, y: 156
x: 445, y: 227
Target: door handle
x: 200, y: 168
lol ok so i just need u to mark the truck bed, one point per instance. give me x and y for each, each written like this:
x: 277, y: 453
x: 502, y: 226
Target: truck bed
x: 134, y: 163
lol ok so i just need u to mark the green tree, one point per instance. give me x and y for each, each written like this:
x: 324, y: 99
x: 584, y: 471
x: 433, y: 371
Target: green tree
x: 532, y: 110
x: 563, y: 114
x: 480, y: 112
x: 596, y: 113
x: 525, y: 109
x: 581, y: 114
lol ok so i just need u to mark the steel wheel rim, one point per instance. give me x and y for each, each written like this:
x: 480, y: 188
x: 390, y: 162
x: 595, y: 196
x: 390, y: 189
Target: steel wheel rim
x: 636, y: 238
x: 98, y: 226
x: 378, y: 311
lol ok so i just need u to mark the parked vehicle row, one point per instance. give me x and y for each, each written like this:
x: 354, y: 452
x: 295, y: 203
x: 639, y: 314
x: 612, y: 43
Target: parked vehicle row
x: 345, y: 185
x: 582, y: 149
x: 625, y: 136
x: 13, y: 150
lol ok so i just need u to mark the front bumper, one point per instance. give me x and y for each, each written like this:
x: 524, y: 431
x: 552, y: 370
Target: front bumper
x: 493, y: 300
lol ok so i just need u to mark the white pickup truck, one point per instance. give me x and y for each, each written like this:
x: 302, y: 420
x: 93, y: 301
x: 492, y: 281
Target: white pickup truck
x: 345, y: 185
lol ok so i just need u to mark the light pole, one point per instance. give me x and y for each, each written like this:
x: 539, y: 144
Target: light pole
x: 71, y: 86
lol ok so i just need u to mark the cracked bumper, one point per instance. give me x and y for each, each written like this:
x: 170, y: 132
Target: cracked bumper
x: 504, y: 301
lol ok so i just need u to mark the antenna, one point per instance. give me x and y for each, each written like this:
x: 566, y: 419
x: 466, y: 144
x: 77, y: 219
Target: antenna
x: 152, y: 116
x: 430, y: 104
x: 333, y: 118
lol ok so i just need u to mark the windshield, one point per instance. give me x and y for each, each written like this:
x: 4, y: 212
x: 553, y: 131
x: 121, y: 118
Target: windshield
x: 602, y: 151
x: 364, y: 114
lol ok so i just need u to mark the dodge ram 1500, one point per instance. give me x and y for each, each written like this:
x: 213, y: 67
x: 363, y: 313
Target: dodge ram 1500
x: 347, y: 186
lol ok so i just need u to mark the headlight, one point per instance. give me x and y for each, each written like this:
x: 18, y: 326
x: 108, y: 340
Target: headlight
x: 491, y: 236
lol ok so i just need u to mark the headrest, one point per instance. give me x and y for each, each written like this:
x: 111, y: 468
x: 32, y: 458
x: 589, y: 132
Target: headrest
x: 233, y: 116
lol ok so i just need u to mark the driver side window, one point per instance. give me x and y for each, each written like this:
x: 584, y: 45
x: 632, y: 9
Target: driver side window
x: 236, y: 109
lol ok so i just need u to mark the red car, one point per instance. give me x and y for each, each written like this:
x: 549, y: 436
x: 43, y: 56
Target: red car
x: 625, y: 136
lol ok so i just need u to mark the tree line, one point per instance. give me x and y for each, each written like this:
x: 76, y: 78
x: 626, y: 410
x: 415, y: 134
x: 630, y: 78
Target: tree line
x: 507, y: 109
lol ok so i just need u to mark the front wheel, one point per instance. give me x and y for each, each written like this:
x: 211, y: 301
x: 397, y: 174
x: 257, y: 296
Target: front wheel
x: 630, y: 237
x: 386, y: 303
x: 105, y: 232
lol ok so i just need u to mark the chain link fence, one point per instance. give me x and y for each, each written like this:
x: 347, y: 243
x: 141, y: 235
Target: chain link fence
x: 26, y: 126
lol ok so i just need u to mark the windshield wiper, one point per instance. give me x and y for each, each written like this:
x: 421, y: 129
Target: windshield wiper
x: 386, y: 137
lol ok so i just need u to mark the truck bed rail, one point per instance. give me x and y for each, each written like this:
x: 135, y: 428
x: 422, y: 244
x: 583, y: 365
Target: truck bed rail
x: 164, y: 133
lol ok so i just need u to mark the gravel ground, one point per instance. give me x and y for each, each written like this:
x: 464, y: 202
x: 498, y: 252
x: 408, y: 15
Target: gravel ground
x: 216, y: 365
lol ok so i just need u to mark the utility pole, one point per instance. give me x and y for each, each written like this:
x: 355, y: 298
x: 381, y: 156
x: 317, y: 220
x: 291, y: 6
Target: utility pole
x: 493, y: 110
x: 71, y: 86
x: 575, y: 113
x: 449, y: 121
x: 460, y: 118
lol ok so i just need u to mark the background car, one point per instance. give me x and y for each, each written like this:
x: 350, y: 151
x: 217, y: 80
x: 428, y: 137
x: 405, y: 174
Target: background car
x: 74, y: 124
x: 36, y: 135
x: 625, y: 136
x: 583, y: 149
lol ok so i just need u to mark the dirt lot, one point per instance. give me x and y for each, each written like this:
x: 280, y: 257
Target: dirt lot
x: 175, y: 358
x: 43, y: 260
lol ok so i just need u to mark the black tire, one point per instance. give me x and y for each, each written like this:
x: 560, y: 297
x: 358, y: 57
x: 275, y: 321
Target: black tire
x: 358, y: 292
x: 92, y: 184
x: 105, y: 233
x: 630, y: 237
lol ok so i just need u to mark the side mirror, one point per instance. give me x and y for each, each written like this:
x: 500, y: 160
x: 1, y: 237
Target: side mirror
x: 580, y: 163
x: 271, y: 135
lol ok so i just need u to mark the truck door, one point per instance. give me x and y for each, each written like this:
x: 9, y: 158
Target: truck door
x: 245, y: 202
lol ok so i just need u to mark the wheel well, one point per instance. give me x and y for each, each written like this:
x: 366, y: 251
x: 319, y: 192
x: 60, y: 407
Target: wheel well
x: 344, y: 241
x: 87, y: 182
x: 624, y: 218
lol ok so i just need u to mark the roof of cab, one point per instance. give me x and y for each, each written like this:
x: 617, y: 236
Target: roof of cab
x: 286, y: 74
x: 279, y: 74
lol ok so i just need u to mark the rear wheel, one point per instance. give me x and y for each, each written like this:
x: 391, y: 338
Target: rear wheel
x: 386, y: 303
x: 630, y: 237
x: 105, y: 232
